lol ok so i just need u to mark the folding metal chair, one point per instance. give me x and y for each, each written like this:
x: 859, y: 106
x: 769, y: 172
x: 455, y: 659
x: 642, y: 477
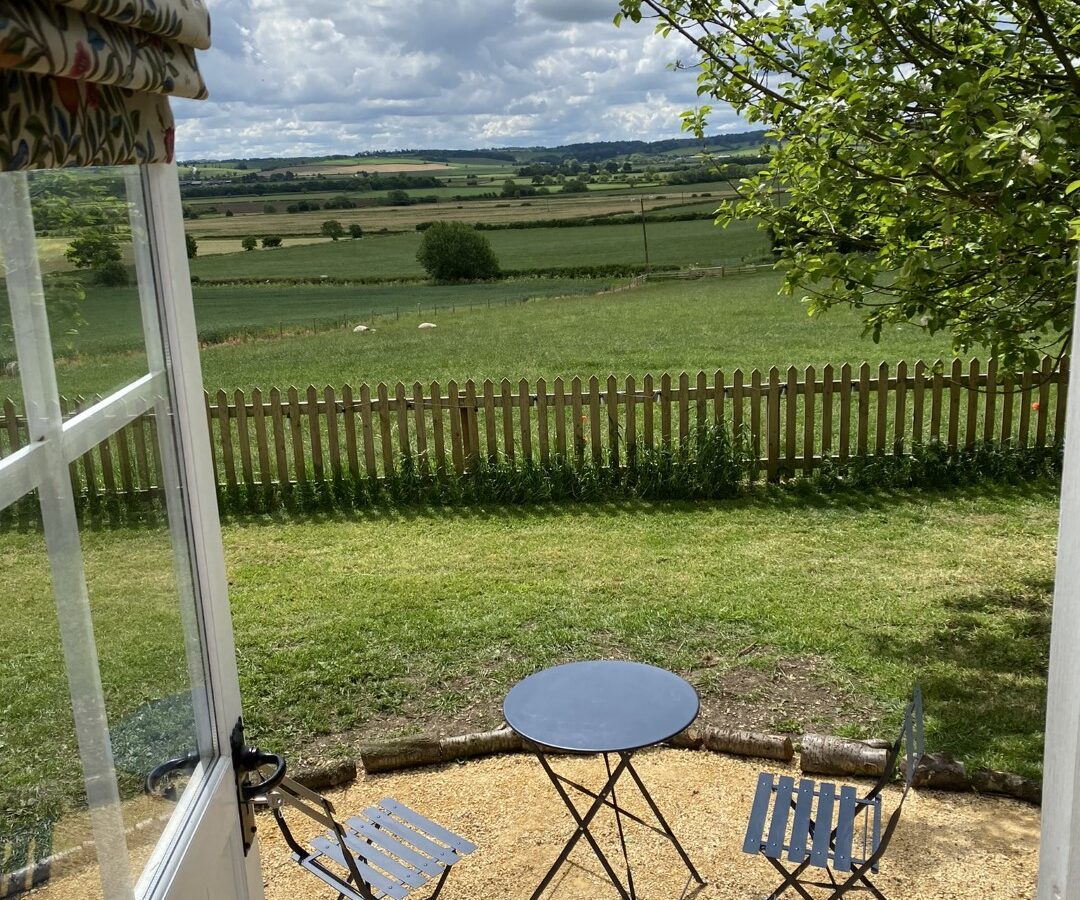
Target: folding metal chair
x: 826, y: 826
x: 387, y: 851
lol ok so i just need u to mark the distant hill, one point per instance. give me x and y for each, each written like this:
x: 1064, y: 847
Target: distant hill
x: 594, y: 151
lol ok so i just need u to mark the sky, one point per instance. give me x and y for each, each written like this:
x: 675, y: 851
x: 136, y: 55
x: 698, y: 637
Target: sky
x: 317, y: 77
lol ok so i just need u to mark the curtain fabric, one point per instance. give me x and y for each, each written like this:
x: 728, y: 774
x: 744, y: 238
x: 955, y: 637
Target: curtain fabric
x: 86, y: 82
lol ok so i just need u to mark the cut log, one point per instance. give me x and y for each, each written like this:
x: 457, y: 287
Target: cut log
x: 430, y: 751
x: 939, y: 771
x: 823, y: 754
x: 327, y: 775
x: 990, y: 782
x: 737, y: 743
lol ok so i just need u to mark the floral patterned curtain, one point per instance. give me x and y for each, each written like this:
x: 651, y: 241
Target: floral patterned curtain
x: 86, y: 82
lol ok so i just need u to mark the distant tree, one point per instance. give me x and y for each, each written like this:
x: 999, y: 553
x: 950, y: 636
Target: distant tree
x: 99, y: 251
x: 355, y: 231
x: 626, y: 167
x: 574, y: 186
x: 269, y: 209
x: 271, y: 240
x: 250, y: 242
x: 332, y: 229
x: 455, y: 251
x: 398, y: 197
x: 509, y: 188
x: 228, y: 214
x: 192, y: 245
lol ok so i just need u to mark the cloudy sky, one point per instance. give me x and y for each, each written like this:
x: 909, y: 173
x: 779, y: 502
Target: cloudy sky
x: 314, y: 77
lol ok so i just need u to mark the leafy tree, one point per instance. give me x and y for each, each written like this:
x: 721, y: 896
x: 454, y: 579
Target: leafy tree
x: 332, y: 229
x: 191, y: 244
x: 250, y: 242
x: 355, y: 231
x: 99, y: 251
x: 271, y: 240
x: 574, y: 186
x: 229, y: 214
x: 455, y: 251
x: 924, y: 153
x: 269, y: 209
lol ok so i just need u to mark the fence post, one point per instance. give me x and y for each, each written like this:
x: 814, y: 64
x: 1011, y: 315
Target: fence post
x: 613, y: 421
x: 772, y: 420
x: 882, y: 426
x: 809, y: 382
x: 579, y: 426
x: 560, y: 420
x: 826, y: 411
x: 991, y: 400
x: 791, y: 407
x: 542, y: 421
x: 900, y: 418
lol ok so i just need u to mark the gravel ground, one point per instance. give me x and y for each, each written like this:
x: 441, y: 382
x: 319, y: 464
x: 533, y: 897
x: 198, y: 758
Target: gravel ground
x: 947, y: 845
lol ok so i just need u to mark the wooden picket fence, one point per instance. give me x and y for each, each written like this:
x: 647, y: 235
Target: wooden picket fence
x: 787, y: 421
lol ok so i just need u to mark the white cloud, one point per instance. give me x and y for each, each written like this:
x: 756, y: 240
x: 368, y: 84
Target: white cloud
x: 321, y: 76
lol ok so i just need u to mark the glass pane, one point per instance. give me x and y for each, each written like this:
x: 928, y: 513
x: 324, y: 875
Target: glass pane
x: 42, y: 798
x: 84, y: 241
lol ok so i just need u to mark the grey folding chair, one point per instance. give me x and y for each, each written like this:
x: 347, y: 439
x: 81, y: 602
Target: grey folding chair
x: 387, y: 851
x: 831, y: 827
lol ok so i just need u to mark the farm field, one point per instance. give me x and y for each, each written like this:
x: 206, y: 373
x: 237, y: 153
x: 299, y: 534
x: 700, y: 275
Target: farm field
x: 405, y: 218
x: 683, y: 244
x: 412, y: 637
x: 706, y: 324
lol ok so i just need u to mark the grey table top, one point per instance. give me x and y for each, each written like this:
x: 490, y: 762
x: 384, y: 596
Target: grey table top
x: 600, y: 706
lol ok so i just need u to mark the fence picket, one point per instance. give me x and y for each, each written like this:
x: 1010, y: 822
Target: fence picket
x: 258, y: 415
x: 315, y: 432
x: 737, y: 402
x: 665, y: 411
x: 506, y: 401
x: 125, y: 463
x: 332, y: 439
x: 348, y: 412
x: 296, y: 433
x: 560, y: 419
x: 791, y: 400
x: 991, y: 400
x: 684, y: 413
x: 402, y: 406
x: 1025, y: 410
x: 1045, y: 375
x: 457, y: 446
x: 755, y: 416
x: 971, y: 430
x: 702, y: 402
x: 955, y: 379
x: 864, y: 409
x: 845, y: 412
x: 89, y: 468
x: 542, y: 421
x: 595, y: 435
x: 881, y: 426
x: 630, y: 435
x: 810, y: 387
x: 826, y: 410
x: 936, y: 401
x: 1008, y: 389
x: 386, y: 439
x: 579, y: 424
x: 11, y: 424
x: 772, y: 426
x: 472, y: 418
x: 1062, y: 401
x: 900, y: 418
x: 225, y: 436
x: 524, y: 404
x: 209, y: 431
x: 917, y: 404
x: 421, y: 428
x: 647, y: 412
x: 243, y: 436
x: 277, y: 420
x: 437, y: 432
x: 612, y: 402
x: 73, y: 468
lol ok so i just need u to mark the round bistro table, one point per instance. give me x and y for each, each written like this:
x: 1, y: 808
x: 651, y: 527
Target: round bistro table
x: 604, y: 707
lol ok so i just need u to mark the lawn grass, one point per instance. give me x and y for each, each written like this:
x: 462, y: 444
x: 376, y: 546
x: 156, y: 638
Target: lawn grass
x: 396, y: 621
x: 707, y: 324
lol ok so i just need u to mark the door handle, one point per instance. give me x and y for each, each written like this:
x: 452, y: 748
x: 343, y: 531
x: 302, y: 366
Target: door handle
x: 161, y: 773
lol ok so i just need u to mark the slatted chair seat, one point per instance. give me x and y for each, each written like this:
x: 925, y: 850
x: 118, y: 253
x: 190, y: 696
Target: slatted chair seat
x: 828, y: 826
x: 388, y: 850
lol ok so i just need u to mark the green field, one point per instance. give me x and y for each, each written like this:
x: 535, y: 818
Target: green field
x: 706, y: 324
x: 680, y: 244
x: 356, y: 627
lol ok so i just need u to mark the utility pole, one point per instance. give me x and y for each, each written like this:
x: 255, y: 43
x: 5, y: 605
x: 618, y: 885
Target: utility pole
x: 644, y: 234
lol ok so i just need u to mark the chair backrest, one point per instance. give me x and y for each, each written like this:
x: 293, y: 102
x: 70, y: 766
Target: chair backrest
x: 909, y: 745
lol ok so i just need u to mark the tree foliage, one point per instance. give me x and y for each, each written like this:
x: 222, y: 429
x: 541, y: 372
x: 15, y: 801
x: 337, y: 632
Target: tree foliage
x: 250, y: 242
x: 332, y: 229
x: 925, y: 158
x: 191, y: 245
x: 455, y: 251
x: 99, y: 251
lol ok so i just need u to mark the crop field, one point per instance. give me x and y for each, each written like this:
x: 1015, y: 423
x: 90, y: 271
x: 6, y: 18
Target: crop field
x: 405, y: 218
x: 696, y: 242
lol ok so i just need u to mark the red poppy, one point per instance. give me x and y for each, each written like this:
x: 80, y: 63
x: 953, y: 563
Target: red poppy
x: 170, y: 143
x: 82, y: 61
x: 68, y: 92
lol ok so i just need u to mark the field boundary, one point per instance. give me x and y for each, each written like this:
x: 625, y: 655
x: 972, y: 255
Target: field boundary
x: 784, y: 422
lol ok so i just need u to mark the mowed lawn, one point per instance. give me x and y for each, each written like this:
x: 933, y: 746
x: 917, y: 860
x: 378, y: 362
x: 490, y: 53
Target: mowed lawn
x: 707, y: 324
x: 787, y: 612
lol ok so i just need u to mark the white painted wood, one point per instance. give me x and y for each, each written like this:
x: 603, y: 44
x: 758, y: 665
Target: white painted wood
x: 204, y: 858
x: 1059, y: 854
x: 19, y: 473
x: 60, y: 525
x: 83, y: 432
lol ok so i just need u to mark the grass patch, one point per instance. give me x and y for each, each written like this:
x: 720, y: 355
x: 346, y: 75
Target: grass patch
x: 378, y: 623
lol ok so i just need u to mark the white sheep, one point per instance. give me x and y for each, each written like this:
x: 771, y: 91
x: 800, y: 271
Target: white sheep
x: 360, y: 329
x: 426, y: 325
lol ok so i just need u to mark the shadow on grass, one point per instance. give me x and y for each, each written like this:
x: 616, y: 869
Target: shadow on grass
x: 983, y: 674
x: 761, y: 497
